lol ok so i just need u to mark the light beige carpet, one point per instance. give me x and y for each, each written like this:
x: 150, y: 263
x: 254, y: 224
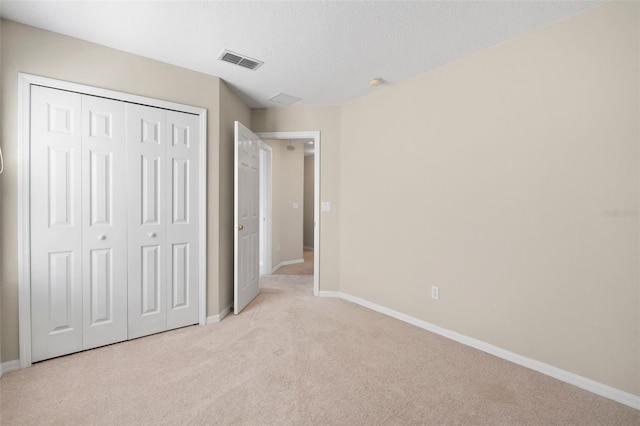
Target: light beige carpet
x: 290, y: 359
x: 305, y: 268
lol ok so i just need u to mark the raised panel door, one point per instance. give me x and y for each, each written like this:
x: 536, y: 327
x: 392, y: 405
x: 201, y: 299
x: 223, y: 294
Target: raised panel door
x: 104, y: 206
x: 182, y: 191
x: 147, y: 220
x: 56, y: 223
x: 247, y: 222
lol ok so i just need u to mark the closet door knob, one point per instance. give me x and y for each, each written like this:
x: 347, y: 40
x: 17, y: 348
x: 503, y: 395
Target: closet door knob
x: 102, y: 237
x: 152, y: 234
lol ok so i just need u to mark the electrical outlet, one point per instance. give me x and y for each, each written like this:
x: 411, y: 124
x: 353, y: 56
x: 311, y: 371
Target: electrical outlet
x: 435, y: 292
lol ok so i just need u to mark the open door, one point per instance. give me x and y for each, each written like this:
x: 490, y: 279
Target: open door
x: 246, y: 217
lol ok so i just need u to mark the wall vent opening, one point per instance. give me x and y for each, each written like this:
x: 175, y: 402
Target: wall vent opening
x: 240, y: 60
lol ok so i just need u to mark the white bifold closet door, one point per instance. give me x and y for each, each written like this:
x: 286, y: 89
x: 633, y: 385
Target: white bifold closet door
x: 114, y: 221
x: 78, y: 222
x: 163, y: 226
x: 183, y: 193
x: 104, y: 231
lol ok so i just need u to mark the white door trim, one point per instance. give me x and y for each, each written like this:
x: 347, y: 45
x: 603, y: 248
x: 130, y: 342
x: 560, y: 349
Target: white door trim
x: 25, y: 81
x: 315, y: 135
x: 266, y: 253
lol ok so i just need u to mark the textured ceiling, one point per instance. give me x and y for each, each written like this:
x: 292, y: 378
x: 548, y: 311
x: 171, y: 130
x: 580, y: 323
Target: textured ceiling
x: 324, y: 52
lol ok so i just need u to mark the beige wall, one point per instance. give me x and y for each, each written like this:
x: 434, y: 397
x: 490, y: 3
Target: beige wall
x: 491, y: 177
x: 52, y: 55
x: 327, y: 121
x: 287, y: 187
x: 309, y: 168
x: 231, y: 109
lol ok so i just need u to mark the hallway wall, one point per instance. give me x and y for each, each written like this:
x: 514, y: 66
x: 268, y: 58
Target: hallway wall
x: 309, y: 205
x: 287, y: 174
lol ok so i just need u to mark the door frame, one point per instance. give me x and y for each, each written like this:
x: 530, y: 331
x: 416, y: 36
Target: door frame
x: 266, y: 254
x: 315, y: 135
x: 25, y: 81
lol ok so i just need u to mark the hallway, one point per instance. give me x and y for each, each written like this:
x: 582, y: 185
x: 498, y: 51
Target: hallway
x: 305, y: 268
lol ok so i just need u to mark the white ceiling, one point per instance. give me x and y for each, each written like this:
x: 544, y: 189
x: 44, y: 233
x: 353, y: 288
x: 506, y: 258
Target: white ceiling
x: 324, y: 52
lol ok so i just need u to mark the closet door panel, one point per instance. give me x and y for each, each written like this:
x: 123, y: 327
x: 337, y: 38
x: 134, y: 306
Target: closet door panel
x: 104, y: 206
x: 147, y: 220
x: 56, y: 223
x: 182, y: 191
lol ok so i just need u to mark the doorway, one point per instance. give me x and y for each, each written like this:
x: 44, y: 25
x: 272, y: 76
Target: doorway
x: 311, y: 142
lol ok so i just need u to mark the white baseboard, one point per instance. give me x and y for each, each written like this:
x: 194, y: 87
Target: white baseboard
x: 307, y: 248
x: 598, y: 388
x: 9, y: 366
x: 285, y: 263
x: 337, y: 294
x: 217, y: 318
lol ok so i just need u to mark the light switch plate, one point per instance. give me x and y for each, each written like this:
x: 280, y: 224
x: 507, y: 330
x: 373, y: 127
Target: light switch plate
x: 435, y: 293
x: 326, y: 206
x: 296, y: 205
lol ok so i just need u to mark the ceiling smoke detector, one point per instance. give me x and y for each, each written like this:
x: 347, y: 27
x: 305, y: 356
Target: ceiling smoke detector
x: 376, y: 82
x: 240, y: 60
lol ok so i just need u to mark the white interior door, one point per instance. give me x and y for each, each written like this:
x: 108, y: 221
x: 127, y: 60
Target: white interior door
x: 104, y: 231
x: 56, y: 223
x: 246, y: 285
x: 147, y: 208
x: 183, y: 147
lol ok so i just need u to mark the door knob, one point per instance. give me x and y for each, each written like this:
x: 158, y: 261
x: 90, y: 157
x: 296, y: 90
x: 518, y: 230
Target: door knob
x: 102, y: 237
x: 152, y: 234
x: 240, y: 227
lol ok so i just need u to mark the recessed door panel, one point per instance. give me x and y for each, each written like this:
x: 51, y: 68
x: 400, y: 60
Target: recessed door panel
x: 101, y: 184
x: 244, y: 252
x: 60, y: 175
x: 61, y: 283
x: 253, y: 255
x: 150, y: 130
x: 181, y: 189
x: 101, y: 124
x: 150, y: 189
x: 180, y: 135
x: 101, y: 286
x: 150, y: 280
x: 60, y: 118
x: 180, y: 276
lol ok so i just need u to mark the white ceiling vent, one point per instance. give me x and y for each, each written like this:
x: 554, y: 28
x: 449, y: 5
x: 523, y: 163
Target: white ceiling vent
x: 240, y: 60
x: 284, y: 99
